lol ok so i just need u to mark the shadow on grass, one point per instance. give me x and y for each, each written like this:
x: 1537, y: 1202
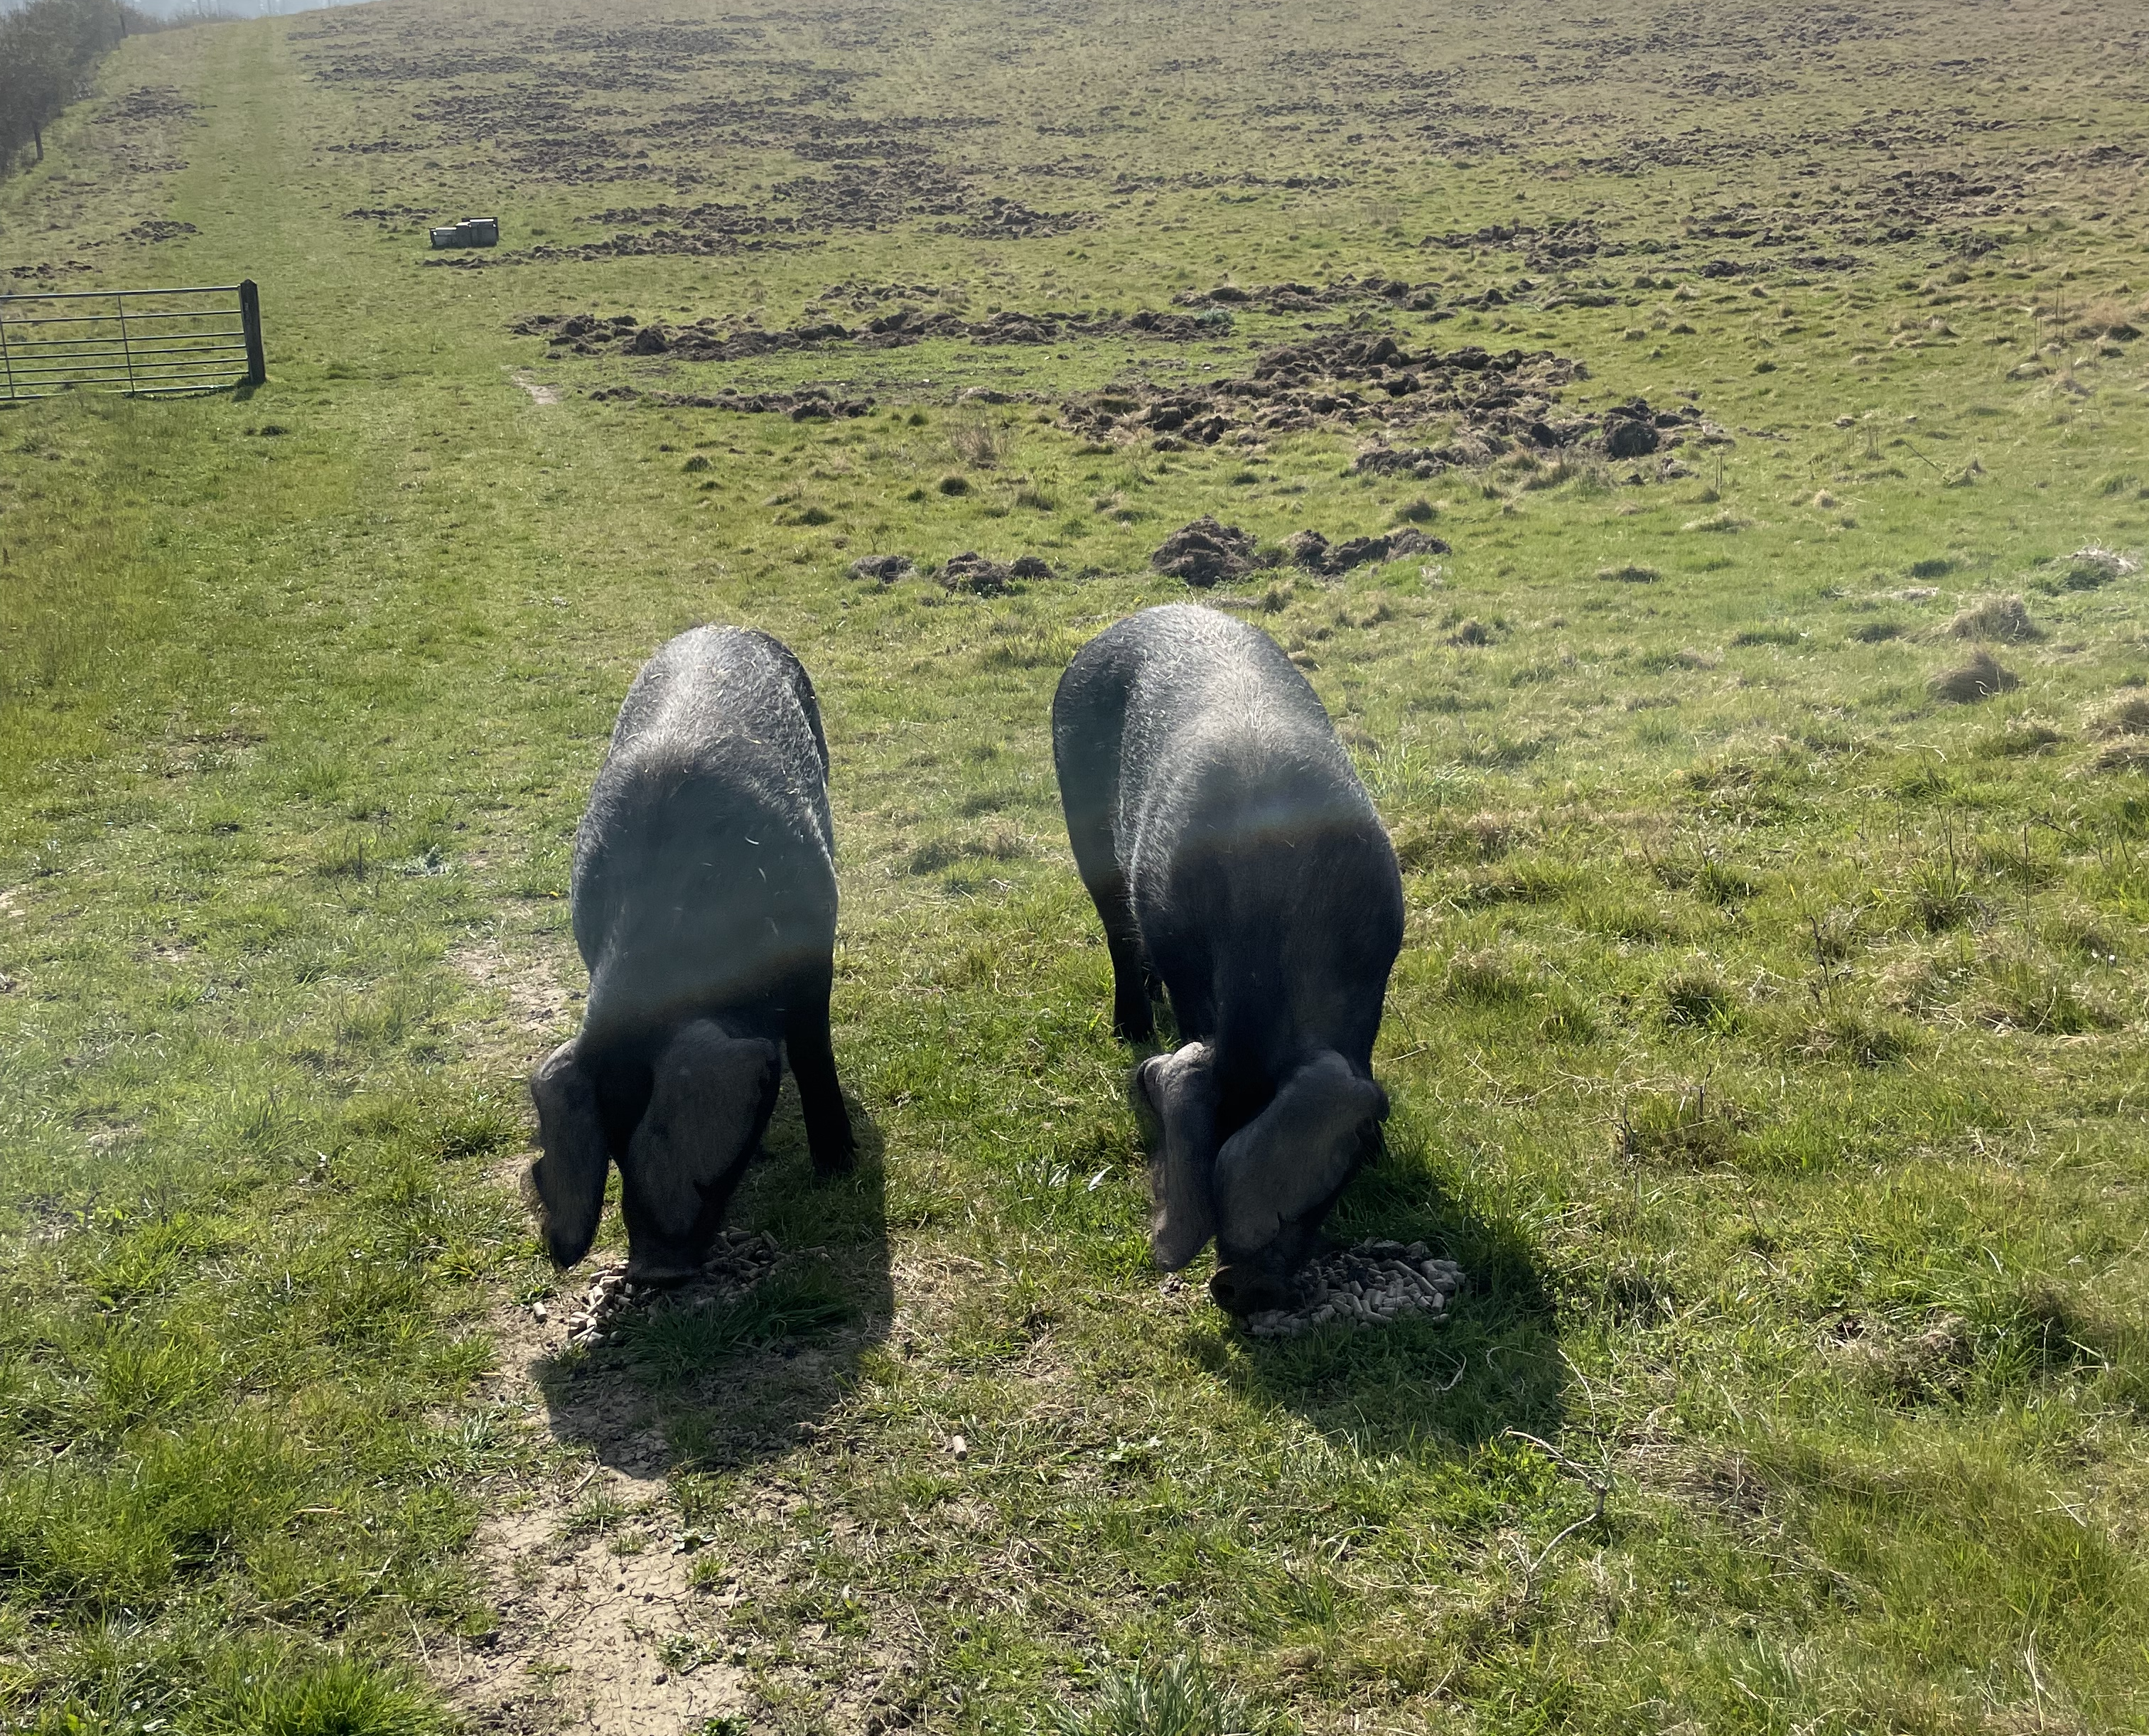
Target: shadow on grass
x: 717, y: 1387
x: 1421, y: 1386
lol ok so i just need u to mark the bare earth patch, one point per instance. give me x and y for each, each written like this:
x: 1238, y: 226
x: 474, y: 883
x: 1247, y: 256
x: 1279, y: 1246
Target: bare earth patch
x: 581, y: 1642
x: 532, y: 981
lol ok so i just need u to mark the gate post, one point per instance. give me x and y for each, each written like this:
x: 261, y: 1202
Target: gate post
x: 250, y: 318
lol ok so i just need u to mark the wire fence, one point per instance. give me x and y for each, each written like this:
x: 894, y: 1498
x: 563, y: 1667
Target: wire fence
x: 146, y: 343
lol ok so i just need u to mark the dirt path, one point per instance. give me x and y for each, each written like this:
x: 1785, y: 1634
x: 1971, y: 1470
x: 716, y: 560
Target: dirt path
x: 582, y: 1563
x: 590, y: 1638
x: 589, y: 1563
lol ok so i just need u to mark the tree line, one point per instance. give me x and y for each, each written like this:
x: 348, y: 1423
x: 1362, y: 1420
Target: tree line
x: 48, y: 48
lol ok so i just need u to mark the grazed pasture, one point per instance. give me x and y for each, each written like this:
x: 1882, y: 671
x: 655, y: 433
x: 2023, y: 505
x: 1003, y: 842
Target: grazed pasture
x: 1768, y: 1043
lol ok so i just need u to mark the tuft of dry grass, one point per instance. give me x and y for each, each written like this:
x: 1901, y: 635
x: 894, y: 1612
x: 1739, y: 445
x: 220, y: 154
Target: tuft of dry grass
x: 1933, y: 1363
x: 2016, y: 737
x: 1979, y: 678
x: 2004, y: 618
x: 1688, y: 1128
x: 2022, y: 993
x: 2126, y: 716
x: 1722, y: 522
x: 978, y: 441
x: 2087, y: 569
x: 1698, y: 998
x: 2131, y: 755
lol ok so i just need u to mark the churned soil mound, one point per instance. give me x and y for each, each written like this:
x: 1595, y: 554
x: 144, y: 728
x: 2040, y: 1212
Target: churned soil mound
x: 1309, y: 551
x: 1006, y: 219
x: 971, y: 574
x: 149, y: 103
x: 1491, y: 403
x: 1295, y: 298
x: 391, y: 216
x: 810, y: 404
x: 711, y: 339
x: 1206, y: 553
x: 1622, y: 431
x: 897, y: 179
x: 1554, y: 246
x: 882, y: 569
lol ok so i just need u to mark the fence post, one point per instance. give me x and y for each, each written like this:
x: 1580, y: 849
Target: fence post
x: 125, y: 349
x: 250, y: 317
x: 6, y: 362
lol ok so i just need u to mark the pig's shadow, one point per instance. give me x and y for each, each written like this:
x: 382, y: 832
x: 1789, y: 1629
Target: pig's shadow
x: 1419, y: 1386
x: 720, y: 1387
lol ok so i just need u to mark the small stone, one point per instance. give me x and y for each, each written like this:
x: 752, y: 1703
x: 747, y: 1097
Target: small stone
x: 537, y: 1310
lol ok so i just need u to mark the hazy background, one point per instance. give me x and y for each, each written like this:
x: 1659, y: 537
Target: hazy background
x: 205, y: 11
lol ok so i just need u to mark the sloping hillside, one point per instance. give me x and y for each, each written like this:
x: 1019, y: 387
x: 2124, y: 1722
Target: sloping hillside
x: 1696, y: 452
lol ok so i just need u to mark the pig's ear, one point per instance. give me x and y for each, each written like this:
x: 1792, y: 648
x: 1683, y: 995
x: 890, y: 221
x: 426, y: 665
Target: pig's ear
x: 565, y: 1187
x: 711, y: 1097
x: 1292, y: 1159
x: 1179, y: 1091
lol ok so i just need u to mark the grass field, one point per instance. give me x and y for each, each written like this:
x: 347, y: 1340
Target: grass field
x: 1769, y: 1041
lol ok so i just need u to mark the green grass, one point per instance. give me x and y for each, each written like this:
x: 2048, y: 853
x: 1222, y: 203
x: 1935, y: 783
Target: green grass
x: 1767, y: 1045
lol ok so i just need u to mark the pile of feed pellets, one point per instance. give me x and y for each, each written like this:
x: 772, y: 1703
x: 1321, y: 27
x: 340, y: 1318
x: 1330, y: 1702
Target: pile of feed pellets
x: 1374, y: 1283
x: 739, y: 1260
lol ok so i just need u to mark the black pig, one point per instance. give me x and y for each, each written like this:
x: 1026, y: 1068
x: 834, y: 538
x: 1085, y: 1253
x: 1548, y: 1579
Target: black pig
x: 704, y: 900
x: 1235, y: 857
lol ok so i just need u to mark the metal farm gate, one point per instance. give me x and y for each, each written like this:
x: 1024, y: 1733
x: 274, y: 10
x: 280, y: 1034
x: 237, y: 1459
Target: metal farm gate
x: 141, y: 342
